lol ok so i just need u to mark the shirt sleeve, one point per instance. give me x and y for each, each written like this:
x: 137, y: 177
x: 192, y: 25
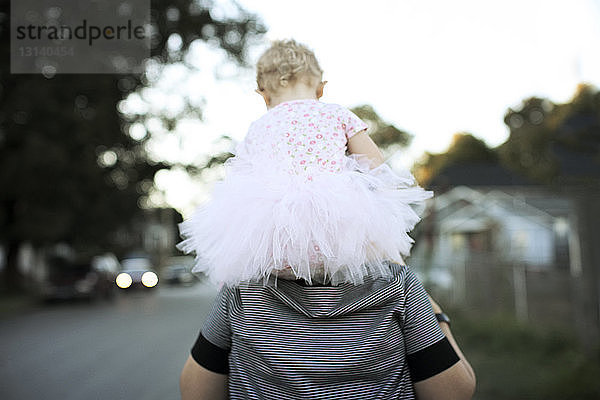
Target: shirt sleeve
x: 428, y: 350
x: 351, y: 124
x: 211, y: 349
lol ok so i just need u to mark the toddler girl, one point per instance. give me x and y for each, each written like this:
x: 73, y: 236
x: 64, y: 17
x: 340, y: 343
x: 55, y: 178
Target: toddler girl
x: 292, y: 203
x: 346, y: 321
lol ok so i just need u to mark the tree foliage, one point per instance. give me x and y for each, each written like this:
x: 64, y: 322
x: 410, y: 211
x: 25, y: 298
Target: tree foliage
x: 69, y: 170
x: 546, y: 138
x: 547, y: 142
x: 527, y: 150
x: 385, y: 135
x: 464, y: 148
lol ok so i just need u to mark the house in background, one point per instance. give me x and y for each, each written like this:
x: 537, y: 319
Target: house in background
x: 497, y: 240
x: 513, y: 228
x: 482, y: 208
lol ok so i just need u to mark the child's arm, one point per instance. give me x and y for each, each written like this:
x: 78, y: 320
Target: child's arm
x: 198, y: 383
x: 361, y: 143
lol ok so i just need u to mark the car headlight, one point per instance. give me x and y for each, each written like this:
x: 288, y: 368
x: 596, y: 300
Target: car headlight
x: 149, y: 279
x: 123, y: 280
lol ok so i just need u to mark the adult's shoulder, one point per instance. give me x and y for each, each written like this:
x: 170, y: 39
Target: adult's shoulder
x: 390, y: 286
x: 404, y: 278
x: 400, y: 271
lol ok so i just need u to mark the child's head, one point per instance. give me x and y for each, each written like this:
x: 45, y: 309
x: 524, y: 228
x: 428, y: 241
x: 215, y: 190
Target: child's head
x: 285, y: 64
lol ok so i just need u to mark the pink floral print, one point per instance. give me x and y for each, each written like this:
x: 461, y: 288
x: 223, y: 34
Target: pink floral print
x: 309, y: 135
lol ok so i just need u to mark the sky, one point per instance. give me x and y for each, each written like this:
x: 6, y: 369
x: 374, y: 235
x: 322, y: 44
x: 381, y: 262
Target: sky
x: 430, y: 67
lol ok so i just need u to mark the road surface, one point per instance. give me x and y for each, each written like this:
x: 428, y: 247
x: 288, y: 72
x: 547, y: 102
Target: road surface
x: 131, y: 348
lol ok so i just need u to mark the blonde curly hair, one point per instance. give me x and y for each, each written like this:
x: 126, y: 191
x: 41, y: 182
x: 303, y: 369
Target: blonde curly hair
x: 285, y: 63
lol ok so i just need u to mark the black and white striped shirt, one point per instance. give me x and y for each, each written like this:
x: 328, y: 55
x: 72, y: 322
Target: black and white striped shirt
x: 293, y: 341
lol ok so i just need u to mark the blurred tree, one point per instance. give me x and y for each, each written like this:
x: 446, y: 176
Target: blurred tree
x: 527, y: 149
x: 385, y: 135
x: 464, y: 148
x: 548, y: 143
x: 69, y: 170
x: 555, y: 143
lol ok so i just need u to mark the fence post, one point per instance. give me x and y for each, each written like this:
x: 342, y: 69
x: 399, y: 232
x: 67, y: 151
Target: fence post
x: 520, y: 291
x: 460, y: 276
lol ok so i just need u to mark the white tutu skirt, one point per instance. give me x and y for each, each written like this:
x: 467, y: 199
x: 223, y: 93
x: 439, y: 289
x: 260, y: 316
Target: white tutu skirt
x: 326, y: 226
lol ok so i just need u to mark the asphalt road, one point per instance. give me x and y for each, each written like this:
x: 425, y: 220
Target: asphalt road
x: 131, y: 348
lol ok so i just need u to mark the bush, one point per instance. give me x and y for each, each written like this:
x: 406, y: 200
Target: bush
x: 519, y: 361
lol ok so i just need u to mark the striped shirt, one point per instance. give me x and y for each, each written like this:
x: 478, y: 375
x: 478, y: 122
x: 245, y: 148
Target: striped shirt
x: 294, y: 341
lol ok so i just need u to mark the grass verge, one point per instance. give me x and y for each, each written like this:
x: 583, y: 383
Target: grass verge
x: 520, y: 361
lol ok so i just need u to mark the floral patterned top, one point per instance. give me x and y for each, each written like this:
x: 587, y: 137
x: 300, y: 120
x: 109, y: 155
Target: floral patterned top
x: 308, y: 136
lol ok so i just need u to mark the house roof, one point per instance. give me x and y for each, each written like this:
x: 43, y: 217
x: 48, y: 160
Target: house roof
x: 455, y: 195
x: 477, y: 174
x: 576, y: 163
x: 478, y: 206
x: 572, y: 164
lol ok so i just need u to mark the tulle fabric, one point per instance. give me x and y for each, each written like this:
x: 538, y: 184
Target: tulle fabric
x: 324, y: 226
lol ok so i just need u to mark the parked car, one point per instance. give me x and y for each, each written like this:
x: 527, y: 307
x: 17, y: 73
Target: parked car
x: 78, y: 277
x: 178, y: 271
x: 178, y: 274
x: 137, y: 273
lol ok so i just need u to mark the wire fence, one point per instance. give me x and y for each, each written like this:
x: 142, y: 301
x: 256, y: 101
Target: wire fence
x: 481, y: 283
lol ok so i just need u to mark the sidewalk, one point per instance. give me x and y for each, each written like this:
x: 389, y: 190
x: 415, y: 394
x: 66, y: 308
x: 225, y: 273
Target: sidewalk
x: 16, y: 303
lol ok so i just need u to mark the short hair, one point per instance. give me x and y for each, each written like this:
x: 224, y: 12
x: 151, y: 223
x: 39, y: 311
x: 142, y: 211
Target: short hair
x: 287, y: 62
